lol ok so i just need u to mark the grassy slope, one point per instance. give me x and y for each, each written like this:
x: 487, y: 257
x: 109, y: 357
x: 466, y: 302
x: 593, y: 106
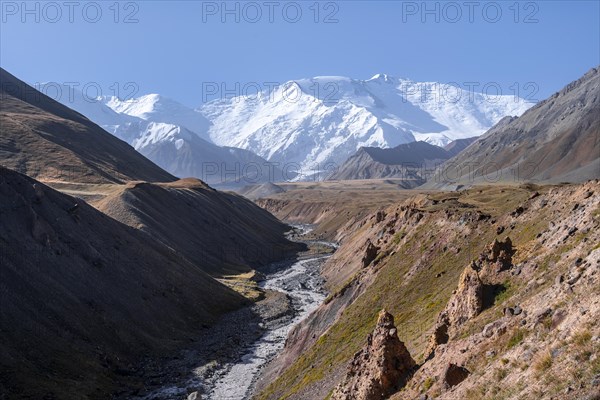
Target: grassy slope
x: 417, y: 302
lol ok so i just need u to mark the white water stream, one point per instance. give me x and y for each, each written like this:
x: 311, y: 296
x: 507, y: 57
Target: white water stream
x: 298, y: 282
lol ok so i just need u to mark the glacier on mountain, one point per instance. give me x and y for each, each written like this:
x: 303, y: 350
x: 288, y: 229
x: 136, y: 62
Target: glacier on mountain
x: 316, y: 124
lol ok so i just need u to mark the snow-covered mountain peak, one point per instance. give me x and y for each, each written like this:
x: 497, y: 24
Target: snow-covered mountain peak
x: 161, y: 109
x: 308, y: 124
x: 157, y: 132
x: 383, y: 78
x: 317, y: 121
x: 144, y: 106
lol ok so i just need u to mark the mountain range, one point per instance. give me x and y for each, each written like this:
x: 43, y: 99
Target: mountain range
x: 555, y: 141
x: 316, y: 124
x: 105, y: 258
x: 483, y: 292
x: 109, y: 263
x: 173, y: 136
x: 298, y: 130
x: 47, y: 140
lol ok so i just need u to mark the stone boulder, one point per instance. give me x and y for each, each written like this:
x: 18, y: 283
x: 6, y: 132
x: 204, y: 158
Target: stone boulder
x: 498, y: 255
x: 465, y: 303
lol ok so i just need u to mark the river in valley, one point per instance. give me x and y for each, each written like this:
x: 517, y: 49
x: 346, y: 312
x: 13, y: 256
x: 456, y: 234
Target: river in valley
x: 302, y: 284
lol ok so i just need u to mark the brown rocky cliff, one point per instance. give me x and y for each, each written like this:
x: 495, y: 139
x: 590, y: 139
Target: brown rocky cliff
x: 496, y: 259
x: 381, y: 368
x: 552, y: 236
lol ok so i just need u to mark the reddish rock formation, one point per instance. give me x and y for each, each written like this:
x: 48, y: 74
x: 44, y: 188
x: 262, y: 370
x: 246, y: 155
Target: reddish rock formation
x: 465, y: 303
x: 381, y: 368
x: 439, y: 336
x: 468, y: 299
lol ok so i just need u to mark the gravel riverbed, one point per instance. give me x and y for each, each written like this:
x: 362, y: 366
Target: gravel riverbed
x: 228, y: 358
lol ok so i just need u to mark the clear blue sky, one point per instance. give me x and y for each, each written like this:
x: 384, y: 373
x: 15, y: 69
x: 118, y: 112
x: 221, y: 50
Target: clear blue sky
x: 174, y: 47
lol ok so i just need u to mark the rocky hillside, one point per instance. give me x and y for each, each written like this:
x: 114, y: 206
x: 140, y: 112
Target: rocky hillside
x: 495, y: 294
x: 222, y: 233
x: 554, y: 141
x: 255, y: 192
x: 85, y: 297
x: 458, y: 145
x: 92, y: 296
x: 334, y: 207
x: 411, y: 162
x: 48, y: 141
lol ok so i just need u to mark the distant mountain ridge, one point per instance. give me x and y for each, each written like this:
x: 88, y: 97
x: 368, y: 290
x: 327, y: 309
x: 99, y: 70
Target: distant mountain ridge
x: 413, y: 162
x: 458, y: 145
x: 175, y: 137
x: 556, y: 140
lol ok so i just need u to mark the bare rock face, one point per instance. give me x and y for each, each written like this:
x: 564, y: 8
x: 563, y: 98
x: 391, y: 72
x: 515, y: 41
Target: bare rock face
x: 380, y: 216
x: 370, y: 254
x: 381, y: 368
x: 439, y: 337
x: 455, y: 374
x: 467, y: 301
x: 498, y: 255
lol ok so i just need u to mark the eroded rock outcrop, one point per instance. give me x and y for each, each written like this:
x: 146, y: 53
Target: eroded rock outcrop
x: 440, y: 336
x: 371, y: 252
x: 498, y: 255
x: 381, y: 368
x: 465, y: 303
x: 468, y: 299
x: 455, y: 374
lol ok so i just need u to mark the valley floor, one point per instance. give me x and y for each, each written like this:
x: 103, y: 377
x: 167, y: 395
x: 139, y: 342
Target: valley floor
x: 225, y: 361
